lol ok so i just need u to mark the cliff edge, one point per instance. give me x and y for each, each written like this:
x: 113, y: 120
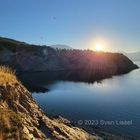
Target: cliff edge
x: 22, y: 119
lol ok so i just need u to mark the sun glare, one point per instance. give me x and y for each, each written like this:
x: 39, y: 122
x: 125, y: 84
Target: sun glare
x: 99, y: 47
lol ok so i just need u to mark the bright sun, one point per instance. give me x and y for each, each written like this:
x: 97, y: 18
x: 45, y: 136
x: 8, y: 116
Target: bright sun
x: 99, y: 47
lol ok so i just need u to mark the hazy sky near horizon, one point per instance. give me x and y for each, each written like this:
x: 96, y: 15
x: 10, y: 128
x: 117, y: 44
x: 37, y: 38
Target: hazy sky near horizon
x: 78, y: 23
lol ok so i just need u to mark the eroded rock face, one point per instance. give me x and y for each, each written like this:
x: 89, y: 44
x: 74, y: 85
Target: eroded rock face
x: 22, y: 119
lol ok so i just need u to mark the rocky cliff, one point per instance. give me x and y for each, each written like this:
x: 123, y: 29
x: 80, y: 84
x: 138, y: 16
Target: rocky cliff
x: 22, y: 119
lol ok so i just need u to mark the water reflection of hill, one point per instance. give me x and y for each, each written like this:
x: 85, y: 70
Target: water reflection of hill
x: 35, y: 80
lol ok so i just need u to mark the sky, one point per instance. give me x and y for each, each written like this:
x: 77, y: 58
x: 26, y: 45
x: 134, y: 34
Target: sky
x: 78, y: 23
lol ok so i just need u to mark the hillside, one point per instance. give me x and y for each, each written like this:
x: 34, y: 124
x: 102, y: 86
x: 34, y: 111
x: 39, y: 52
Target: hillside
x: 22, y: 119
x: 24, y: 57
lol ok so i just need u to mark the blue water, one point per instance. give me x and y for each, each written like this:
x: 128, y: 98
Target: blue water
x: 117, y: 98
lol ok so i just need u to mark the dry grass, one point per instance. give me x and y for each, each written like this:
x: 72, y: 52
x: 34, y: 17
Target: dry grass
x: 7, y: 75
x: 7, y: 69
x: 9, y: 122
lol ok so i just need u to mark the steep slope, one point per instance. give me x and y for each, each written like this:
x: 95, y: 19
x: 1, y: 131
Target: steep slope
x: 22, y: 119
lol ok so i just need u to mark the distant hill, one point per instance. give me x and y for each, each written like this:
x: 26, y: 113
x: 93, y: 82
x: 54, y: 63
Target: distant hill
x: 135, y: 56
x: 61, y: 46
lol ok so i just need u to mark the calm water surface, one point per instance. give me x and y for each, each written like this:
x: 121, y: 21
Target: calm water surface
x: 117, y: 98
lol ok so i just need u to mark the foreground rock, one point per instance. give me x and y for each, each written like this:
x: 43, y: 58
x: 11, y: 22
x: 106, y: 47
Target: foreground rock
x: 22, y: 119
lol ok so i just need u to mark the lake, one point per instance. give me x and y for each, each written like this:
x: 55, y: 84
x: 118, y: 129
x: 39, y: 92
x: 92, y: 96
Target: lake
x: 102, y: 104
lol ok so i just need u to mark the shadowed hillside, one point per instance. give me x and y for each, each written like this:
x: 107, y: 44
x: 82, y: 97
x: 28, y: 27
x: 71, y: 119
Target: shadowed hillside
x: 25, y: 57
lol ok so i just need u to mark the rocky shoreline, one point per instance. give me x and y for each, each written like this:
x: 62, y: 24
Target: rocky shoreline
x: 21, y: 117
